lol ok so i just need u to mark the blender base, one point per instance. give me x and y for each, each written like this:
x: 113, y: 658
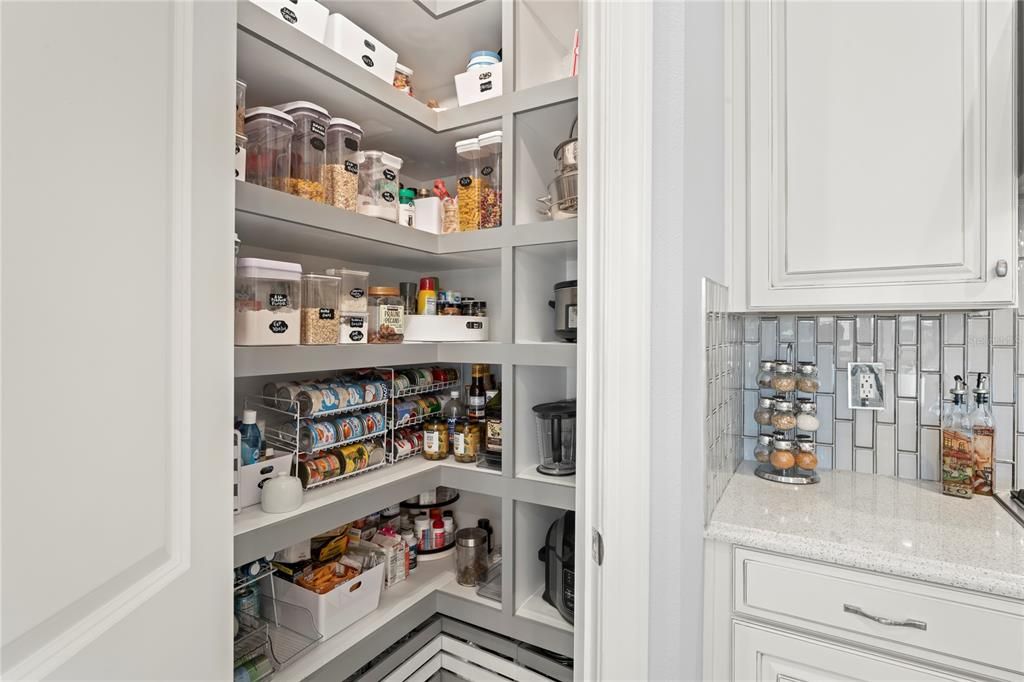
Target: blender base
x: 554, y: 472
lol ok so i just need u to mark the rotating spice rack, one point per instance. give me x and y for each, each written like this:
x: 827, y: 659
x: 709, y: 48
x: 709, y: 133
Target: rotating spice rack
x: 451, y: 496
x: 793, y: 475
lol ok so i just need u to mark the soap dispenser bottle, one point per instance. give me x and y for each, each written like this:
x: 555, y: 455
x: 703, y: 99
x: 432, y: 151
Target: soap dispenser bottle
x: 984, y: 439
x: 957, y: 446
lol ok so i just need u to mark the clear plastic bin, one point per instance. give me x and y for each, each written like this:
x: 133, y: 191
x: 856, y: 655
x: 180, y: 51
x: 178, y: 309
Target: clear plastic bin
x: 353, y: 289
x: 268, y: 147
x: 239, y: 108
x: 309, y: 149
x: 490, y: 179
x: 341, y: 175
x: 268, y: 297
x: 467, y: 169
x: 320, y: 314
x: 379, y: 185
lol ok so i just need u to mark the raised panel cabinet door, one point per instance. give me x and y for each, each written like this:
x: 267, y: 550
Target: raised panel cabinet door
x: 116, y: 267
x: 767, y: 655
x: 881, y: 159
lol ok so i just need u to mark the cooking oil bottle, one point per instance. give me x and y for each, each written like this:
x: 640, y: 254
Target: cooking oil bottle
x: 957, y: 445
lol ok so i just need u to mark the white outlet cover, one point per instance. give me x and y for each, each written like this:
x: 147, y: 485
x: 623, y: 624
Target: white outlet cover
x: 866, y: 383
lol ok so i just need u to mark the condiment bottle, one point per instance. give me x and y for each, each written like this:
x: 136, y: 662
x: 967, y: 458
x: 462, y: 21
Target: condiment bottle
x: 957, y: 446
x: 983, y: 439
x: 426, y: 299
x: 478, y: 393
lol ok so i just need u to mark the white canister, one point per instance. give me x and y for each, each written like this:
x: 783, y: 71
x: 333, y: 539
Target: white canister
x: 281, y: 494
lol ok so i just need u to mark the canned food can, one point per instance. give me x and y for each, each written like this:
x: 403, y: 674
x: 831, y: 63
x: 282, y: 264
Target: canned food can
x: 433, y: 404
x: 424, y: 377
x: 374, y: 391
x: 372, y: 422
x: 411, y: 375
x: 309, y: 473
x: 313, y: 435
x: 316, y: 401
x: 401, y: 382
x: 357, y: 454
x: 405, y: 411
x: 350, y: 427
x: 247, y: 601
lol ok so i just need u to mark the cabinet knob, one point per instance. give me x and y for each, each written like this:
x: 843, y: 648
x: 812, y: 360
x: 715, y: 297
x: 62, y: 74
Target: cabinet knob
x: 1001, y: 268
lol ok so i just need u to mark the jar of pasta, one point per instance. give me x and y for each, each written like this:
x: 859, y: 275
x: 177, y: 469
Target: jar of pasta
x: 467, y: 170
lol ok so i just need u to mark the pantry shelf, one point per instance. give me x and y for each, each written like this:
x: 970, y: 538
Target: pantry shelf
x: 536, y: 609
x: 519, y: 101
x: 527, y: 234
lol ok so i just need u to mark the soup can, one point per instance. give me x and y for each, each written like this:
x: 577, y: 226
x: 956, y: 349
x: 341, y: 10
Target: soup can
x: 350, y: 427
x: 372, y: 422
x: 309, y: 473
x: 313, y: 435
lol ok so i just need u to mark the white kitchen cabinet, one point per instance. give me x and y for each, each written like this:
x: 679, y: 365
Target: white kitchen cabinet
x: 873, y: 155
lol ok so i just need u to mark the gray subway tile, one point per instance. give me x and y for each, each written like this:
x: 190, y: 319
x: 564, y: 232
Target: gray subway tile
x: 1003, y: 323
x: 953, y: 328
x: 886, y: 346
x: 907, y: 465
x: 908, y: 330
x: 929, y: 454
x: 1001, y: 378
x: 906, y: 372
x: 885, y: 450
x: 826, y: 329
x: 864, y: 428
x: 844, y: 446
x: 977, y: 344
x: 906, y: 425
x: 864, y: 461
x: 844, y: 342
x: 931, y: 347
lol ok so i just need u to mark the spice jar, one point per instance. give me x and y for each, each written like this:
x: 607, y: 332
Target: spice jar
x: 764, y: 377
x: 805, y: 457
x: 782, y: 454
x: 470, y: 556
x: 379, y: 185
x: 403, y: 78
x: 309, y: 149
x: 467, y: 169
x: 239, y: 108
x: 763, y: 448
x: 490, y: 179
x: 466, y: 445
x: 387, y: 315
x: 268, y: 147
x: 763, y: 413
x: 341, y: 175
x: 807, y: 415
x: 783, y: 417
x: 807, y: 377
x: 435, y: 439
x: 783, y: 378
x: 320, y: 323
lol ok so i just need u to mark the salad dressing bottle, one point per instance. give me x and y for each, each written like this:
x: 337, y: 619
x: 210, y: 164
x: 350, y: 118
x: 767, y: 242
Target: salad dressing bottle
x: 957, y: 444
x: 984, y: 439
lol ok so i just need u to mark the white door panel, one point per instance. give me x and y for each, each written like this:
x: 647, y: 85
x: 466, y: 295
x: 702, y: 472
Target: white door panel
x: 115, y: 345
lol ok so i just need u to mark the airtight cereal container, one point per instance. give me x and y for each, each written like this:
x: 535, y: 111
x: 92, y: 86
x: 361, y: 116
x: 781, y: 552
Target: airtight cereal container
x: 309, y: 149
x: 467, y: 169
x: 490, y: 179
x: 341, y: 175
x: 320, y: 323
x: 353, y: 289
x: 267, y: 302
x: 268, y: 147
x: 378, y: 185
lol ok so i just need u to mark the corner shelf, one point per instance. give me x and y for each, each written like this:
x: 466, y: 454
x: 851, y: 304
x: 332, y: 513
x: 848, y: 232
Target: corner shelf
x: 536, y: 609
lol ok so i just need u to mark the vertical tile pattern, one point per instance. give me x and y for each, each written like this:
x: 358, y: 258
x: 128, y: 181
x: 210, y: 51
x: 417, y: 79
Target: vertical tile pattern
x: 727, y: 369
x: 921, y: 353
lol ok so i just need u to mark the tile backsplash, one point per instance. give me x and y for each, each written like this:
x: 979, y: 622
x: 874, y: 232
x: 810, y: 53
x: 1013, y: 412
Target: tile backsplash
x: 723, y: 411
x: 921, y: 353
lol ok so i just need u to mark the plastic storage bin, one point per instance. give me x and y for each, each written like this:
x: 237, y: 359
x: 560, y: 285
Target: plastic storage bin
x: 353, y: 289
x: 359, y: 47
x: 477, y: 85
x: 268, y: 147
x: 309, y: 149
x: 433, y: 328
x: 337, y: 609
x: 467, y: 170
x: 378, y: 185
x: 267, y: 301
x: 320, y: 315
x: 490, y: 179
x: 427, y: 208
x: 239, y: 108
x: 403, y: 79
x: 309, y: 16
x: 252, y: 476
x: 341, y: 175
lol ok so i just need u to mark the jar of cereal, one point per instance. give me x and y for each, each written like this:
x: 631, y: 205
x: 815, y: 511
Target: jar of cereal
x: 341, y: 175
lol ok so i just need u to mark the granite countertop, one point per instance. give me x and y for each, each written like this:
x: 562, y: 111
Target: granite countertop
x: 899, y: 527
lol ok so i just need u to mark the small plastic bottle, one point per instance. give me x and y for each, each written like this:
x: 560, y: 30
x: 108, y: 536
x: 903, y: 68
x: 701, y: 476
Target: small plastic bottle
x: 453, y: 411
x: 252, y: 439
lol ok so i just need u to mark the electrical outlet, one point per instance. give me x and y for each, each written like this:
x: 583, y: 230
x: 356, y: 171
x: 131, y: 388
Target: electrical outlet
x: 866, y: 385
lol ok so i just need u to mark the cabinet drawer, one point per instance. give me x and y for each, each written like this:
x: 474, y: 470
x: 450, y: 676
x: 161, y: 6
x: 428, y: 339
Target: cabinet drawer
x: 810, y: 595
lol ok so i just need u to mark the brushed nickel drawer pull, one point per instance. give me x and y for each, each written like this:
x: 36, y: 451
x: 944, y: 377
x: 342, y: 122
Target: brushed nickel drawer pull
x: 909, y: 623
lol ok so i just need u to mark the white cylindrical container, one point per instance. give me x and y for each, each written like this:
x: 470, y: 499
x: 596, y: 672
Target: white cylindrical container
x: 268, y: 299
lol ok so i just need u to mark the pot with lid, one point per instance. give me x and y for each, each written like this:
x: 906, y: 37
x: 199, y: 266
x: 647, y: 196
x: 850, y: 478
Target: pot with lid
x: 561, y: 200
x: 565, y: 310
x: 556, y: 437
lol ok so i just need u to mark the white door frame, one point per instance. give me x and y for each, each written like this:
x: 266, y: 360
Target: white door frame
x: 615, y: 263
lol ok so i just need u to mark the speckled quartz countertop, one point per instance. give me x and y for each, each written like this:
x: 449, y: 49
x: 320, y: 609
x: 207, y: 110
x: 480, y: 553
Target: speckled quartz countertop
x: 899, y: 527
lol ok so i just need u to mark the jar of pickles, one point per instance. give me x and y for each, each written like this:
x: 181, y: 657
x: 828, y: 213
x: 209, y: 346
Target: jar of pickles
x: 807, y: 415
x: 805, y: 457
x: 764, y: 376
x: 807, y: 377
x: 435, y: 439
x: 783, y: 379
x: 466, y: 445
x: 763, y: 413
x: 782, y: 457
x: 783, y: 416
x: 763, y: 448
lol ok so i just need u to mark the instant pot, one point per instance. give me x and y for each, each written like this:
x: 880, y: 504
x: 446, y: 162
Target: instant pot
x: 565, y: 310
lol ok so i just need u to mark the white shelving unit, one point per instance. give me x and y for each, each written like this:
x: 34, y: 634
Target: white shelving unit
x: 515, y: 266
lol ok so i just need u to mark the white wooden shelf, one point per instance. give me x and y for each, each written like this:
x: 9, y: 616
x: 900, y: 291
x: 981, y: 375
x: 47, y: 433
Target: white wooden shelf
x: 530, y: 473
x: 536, y: 609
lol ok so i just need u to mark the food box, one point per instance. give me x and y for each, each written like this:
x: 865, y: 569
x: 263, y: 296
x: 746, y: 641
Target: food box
x: 359, y: 47
x: 478, y: 84
x: 309, y: 16
x: 336, y: 610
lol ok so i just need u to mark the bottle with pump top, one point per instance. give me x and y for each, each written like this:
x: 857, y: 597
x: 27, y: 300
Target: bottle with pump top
x: 478, y: 393
x: 957, y: 447
x: 983, y: 439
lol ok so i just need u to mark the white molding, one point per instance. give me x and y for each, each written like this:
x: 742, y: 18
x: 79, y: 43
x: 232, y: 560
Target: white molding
x: 615, y: 246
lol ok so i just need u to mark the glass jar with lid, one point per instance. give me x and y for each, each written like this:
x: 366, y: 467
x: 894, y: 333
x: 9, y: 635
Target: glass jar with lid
x: 783, y: 417
x: 435, y: 439
x: 268, y: 147
x: 763, y: 413
x: 763, y: 448
x: 386, y: 315
x: 782, y: 456
x: 467, y: 170
x: 490, y: 179
x: 471, y: 560
x: 805, y: 456
x: 783, y: 379
x: 320, y: 323
x: 466, y: 443
x: 764, y: 376
x: 309, y: 149
x: 341, y: 175
x: 807, y: 377
x: 807, y: 415
x: 379, y: 185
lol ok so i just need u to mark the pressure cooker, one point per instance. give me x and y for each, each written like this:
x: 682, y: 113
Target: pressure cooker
x: 565, y: 310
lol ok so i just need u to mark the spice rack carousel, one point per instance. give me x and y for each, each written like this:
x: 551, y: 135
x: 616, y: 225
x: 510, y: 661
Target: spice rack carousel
x: 787, y: 454
x: 444, y: 497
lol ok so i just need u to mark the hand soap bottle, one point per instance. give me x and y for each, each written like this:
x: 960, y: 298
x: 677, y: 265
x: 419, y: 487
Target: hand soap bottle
x: 957, y: 446
x: 984, y: 439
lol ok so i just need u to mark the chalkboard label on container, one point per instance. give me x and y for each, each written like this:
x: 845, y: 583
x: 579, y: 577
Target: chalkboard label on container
x: 289, y: 15
x: 465, y: 181
x: 387, y: 196
x: 351, y: 166
x: 356, y: 293
x: 474, y: 325
x: 327, y: 313
x: 486, y: 170
x: 279, y: 326
x: 389, y: 175
x: 355, y: 335
x: 484, y: 87
x: 278, y: 300
x: 367, y: 61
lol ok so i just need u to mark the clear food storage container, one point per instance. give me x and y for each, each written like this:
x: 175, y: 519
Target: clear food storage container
x: 378, y: 185
x: 387, y: 315
x: 490, y: 179
x: 403, y: 78
x: 239, y: 108
x: 341, y: 175
x: 467, y: 169
x: 320, y: 323
x: 309, y: 149
x: 267, y: 301
x: 268, y: 147
x: 353, y: 289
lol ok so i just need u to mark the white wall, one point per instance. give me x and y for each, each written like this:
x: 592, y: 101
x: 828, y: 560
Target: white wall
x: 688, y: 229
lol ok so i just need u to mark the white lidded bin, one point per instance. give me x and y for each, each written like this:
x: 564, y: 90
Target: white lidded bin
x: 434, y: 328
x: 336, y: 610
x: 379, y: 185
x: 251, y: 477
x: 428, y: 214
x: 268, y: 298
x: 478, y: 84
x: 309, y: 16
x: 354, y: 284
x: 359, y: 47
